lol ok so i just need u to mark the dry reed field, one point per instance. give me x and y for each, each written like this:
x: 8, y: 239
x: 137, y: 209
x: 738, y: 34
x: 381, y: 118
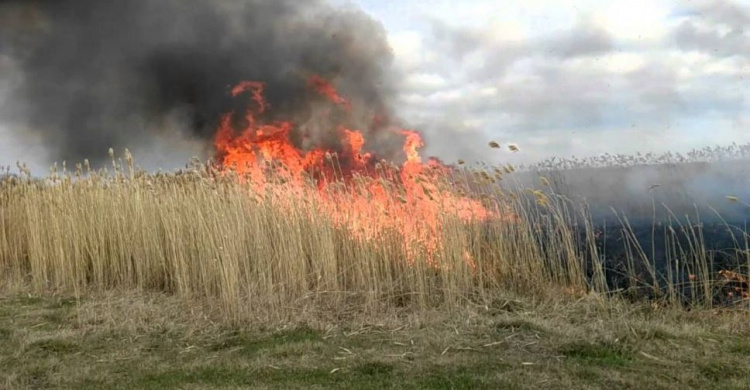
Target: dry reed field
x: 288, y: 248
x: 201, y: 234
x: 423, y: 278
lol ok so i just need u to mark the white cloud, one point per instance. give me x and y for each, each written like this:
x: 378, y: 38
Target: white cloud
x: 635, y: 19
x: 562, y: 78
x: 408, y: 50
x: 488, y: 92
x: 425, y: 81
x: 623, y: 62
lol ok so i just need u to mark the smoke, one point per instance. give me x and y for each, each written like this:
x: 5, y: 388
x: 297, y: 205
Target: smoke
x: 689, y: 191
x: 155, y: 75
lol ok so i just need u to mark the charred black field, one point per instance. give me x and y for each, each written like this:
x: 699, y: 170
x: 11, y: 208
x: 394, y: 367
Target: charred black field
x: 657, y: 225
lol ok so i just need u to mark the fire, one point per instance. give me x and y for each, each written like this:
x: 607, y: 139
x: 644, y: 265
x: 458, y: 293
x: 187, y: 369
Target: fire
x: 325, y: 88
x: 369, y: 198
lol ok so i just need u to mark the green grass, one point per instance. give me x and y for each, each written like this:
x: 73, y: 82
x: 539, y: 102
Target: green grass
x: 718, y: 371
x: 742, y: 348
x: 156, y: 343
x: 605, y: 354
x: 5, y: 334
x: 51, y: 347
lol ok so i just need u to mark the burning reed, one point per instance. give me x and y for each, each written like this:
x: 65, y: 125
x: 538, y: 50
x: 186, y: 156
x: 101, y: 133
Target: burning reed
x: 206, y: 234
x: 273, y: 230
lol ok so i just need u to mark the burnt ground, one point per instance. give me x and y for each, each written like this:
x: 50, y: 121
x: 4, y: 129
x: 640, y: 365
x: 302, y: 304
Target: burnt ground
x: 632, y: 255
x: 679, y: 215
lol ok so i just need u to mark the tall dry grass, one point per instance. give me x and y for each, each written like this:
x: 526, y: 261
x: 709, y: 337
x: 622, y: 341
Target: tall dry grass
x: 199, y: 234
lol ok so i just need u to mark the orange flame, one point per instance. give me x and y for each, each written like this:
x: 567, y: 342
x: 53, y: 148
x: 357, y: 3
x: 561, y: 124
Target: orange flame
x: 325, y: 88
x: 368, y: 199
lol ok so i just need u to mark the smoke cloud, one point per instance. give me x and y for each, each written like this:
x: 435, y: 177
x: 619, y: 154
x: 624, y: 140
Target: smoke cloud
x: 89, y: 75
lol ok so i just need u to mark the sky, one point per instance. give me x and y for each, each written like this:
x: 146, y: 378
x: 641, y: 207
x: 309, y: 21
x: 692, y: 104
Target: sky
x: 557, y: 78
x: 564, y: 78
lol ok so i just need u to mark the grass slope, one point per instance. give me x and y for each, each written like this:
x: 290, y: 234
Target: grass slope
x: 126, y: 340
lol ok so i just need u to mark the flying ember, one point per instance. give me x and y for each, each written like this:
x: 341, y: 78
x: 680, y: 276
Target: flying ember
x: 369, y: 198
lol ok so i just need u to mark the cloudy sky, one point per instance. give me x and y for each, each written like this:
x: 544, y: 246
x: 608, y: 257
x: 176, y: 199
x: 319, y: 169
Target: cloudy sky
x: 559, y: 78
x: 564, y: 78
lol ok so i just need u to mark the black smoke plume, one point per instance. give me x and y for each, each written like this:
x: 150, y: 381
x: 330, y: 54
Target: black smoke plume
x: 96, y: 74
